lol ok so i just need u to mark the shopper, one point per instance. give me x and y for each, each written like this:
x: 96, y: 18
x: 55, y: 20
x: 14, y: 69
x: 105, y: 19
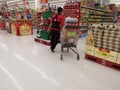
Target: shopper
x: 55, y: 27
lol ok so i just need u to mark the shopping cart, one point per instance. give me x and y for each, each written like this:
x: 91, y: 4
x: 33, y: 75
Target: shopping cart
x: 69, y: 39
x: 69, y: 42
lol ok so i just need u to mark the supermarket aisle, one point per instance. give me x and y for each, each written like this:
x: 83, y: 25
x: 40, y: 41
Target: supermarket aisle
x: 27, y: 65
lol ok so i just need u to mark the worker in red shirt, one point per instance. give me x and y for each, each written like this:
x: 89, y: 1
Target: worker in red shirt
x: 55, y: 27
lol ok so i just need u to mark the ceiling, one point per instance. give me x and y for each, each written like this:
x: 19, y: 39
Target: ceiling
x: 19, y: 2
x: 35, y: 3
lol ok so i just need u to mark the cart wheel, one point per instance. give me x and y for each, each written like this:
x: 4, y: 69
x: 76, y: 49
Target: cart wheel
x: 78, y: 57
x: 61, y: 57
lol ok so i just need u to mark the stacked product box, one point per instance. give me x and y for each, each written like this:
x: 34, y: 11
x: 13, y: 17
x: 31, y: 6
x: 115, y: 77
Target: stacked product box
x: 98, y: 37
x: 73, y: 10
x: 106, y: 44
x: 70, y: 30
x: 111, y: 39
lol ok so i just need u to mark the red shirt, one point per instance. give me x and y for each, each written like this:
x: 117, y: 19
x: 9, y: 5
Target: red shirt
x: 60, y: 19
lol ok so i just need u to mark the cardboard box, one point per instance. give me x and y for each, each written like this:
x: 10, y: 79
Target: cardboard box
x: 106, y: 54
x: 97, y: 53
x: 112, y: 56
x: 101, y: 53
x: 118, y: 59
x: 89, y: 50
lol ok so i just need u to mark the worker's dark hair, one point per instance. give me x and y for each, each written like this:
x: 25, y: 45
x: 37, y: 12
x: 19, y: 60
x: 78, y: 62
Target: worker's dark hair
x: 59, y: 10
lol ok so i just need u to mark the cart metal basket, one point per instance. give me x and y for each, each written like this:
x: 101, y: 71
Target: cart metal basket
x: 69, y: 40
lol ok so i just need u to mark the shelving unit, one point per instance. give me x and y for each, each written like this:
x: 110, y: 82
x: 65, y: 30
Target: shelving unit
x: 38, y: 20
x: 103, y: 45
x: 73, y: 10
x: 34, y: 18
x: 43, y: 21
x: 84, y: 18
x: 99, y: 16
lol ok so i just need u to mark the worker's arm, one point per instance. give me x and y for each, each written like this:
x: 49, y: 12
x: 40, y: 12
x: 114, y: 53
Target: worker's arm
x: 49, y: 28
x: 61, y: 23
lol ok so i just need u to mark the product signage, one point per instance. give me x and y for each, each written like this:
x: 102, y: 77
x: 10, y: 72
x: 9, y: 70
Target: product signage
x: 104, y: 53
x: 43, y: 1
x: 25, y: 29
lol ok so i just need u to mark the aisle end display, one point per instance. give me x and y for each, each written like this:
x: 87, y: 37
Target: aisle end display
x: 103, y: 45
x: 20, y: 21
x: 73, y: 10
x: 43, y: 22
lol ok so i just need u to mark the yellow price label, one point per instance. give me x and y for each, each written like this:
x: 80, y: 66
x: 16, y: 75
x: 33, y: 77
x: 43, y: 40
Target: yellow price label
x: 104, y: 54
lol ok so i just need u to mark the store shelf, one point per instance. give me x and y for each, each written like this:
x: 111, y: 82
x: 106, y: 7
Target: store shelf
x: 103, y: 15
x: 101, y: 21
x: 97, y: 9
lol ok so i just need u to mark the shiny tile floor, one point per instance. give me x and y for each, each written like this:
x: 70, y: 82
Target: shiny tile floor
x: 27, y: 65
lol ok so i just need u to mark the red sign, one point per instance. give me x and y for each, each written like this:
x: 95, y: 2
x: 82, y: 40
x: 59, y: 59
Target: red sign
x: 43, y: 1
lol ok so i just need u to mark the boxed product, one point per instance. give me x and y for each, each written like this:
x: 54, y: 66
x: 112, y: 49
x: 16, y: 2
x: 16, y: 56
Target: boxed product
x: 90, y: 38
x: 112, y: 31
x: 98, y: 45
x: 117, y: 39
x: 104, y: 37
x: 106, y: 34
x: 110, y: 44
x: 97, y: 53
x: 109, y: 48
x: 110, y: 41
x: 112, y: 35
x: 104, y: 46
x: 105, y: 54
x: 98, y: 39
x: 112, y: 56
x: 118, y: 32
x: 111, y: 38
x: 99, y: 36
x: 118, y: 36
x: 118, y: 59
x: 104, y: 40
x: 116, y: 49
x: 89, y: 50
x: 106, y: 31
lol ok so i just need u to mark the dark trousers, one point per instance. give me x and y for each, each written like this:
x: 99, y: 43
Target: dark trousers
x: 55, y: 35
